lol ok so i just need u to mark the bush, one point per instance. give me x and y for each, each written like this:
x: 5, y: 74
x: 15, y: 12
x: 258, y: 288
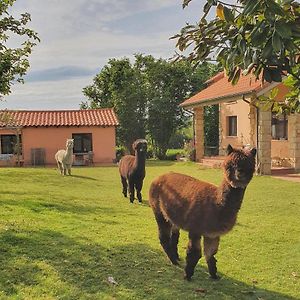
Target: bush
x: 190, y: 151
x: 173, y: 154
x: 150, y: 151
x: 120, y: 151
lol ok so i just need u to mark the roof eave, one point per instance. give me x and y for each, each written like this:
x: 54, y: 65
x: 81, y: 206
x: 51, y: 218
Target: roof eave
x: 217, y: 100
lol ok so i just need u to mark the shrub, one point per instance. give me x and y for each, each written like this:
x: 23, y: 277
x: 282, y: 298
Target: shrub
x: 120, y: 151
x: 173, y: 154
x: 190, y: 151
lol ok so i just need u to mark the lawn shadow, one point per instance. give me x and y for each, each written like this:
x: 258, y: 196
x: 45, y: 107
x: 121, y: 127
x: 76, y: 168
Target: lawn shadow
x: 84, y: 267
x: 43, y: 206
x: 159, y: 163
x: 83, y: 177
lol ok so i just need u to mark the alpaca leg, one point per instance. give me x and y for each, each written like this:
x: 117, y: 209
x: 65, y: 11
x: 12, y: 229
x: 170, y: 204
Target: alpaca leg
x: 60, y: 167
x: 69, y: 170
x: 174, y: 241
x: 64, y: 169
x: 125, y: 186
x: 193, y: 254
x: 138, y: 187
x: 131, y: 190
x: 210, y: 249
x: 164, y: 229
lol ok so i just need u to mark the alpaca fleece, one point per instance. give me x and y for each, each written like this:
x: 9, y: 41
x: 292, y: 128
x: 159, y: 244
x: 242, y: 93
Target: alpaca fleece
x: 132, y: 170
x: 64, y: 158
x: 203, y: 209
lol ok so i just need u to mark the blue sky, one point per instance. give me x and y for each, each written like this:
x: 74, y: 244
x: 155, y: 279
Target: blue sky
x: 78, y: 37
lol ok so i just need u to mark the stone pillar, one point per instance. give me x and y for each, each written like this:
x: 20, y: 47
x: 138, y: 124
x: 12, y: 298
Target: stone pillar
x: 294, y: 140
x: 199, y: 133
x: 264, y: 142
x: 253, y: 124
x: 222, y: 151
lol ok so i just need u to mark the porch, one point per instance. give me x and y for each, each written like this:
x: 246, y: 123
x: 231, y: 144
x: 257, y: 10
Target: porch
x: 217, y: 162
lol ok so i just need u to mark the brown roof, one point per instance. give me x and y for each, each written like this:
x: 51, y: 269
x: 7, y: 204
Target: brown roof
x: 219, y: 88
x: 43, y: 118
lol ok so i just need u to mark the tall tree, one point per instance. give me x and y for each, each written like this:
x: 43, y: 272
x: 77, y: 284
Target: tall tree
x: 14, y: 61
x: 146, y: 95
x: 170, y: 85
x: 117, y: 85
x: 246, y: 36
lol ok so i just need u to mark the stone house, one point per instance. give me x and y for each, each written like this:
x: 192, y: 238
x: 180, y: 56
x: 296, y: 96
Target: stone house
x: 39, y: 134
x: 277, y: 138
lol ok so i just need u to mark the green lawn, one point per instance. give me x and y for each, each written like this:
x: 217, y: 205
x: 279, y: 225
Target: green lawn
x: 62, y: 237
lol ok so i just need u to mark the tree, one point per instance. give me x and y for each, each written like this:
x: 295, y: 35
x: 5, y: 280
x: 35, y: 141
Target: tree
x: 259, y: 37
x: 146, y: 95
x: 170, y: 85
x: 14, y: 61
x: 118, y: 85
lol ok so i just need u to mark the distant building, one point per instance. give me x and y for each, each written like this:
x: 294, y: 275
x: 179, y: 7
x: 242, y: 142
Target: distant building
x: 40, y: 134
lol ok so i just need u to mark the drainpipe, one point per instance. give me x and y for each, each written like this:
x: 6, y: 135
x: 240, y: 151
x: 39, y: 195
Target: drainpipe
x: 257, y: 149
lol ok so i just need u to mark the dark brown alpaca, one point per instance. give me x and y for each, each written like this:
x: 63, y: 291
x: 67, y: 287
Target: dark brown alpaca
x: 203, y: 209
x: 132, y: 170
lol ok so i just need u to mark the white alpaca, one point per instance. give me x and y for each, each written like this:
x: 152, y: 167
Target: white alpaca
x: 64, y: 158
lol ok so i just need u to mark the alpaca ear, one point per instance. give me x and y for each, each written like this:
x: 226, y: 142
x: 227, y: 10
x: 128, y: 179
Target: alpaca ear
x: 133, y: 146
x: 253, y: 151
x: 229, y: 149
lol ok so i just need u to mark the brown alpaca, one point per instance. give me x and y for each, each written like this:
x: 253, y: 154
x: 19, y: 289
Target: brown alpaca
x: 203, y: 209
x: 132, y: 170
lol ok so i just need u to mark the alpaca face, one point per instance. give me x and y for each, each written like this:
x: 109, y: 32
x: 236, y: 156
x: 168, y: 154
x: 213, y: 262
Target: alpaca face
x: 140, y: 146
x: 239, y: 166
x: 70, y: 143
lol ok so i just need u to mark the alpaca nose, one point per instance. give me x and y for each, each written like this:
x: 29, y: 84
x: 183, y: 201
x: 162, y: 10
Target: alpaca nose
x: 240, y: 174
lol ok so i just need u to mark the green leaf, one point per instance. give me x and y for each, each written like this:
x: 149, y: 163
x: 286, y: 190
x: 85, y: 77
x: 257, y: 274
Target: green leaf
x: 251, y: 7
x: 283, y: 29
x: 274, y: 93
x: 186, y: 3
x: 242, y: 46
x: 207, y: 7
x: 248, y: 70
x: 236, y: 77
x: 276, y: 42
x: 274, y: 7
x: 269, y: 15
x: 229, y: 16
x: 276, y: 75
x: 268, y: 49
x: 267, y: 75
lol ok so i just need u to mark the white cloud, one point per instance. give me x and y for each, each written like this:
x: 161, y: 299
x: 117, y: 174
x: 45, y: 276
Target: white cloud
x: 66, y: 94
x: 84, y: 34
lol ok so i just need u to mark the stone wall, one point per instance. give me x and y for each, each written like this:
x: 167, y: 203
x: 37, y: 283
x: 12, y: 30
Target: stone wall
x: 264, y: 142
x: 199, y: 133
x: 294, y: 140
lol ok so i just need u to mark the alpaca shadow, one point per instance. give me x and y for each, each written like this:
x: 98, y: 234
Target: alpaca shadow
x: 41, y: 207
x: 84, y: 268
x: 83, y: 177
x: 160, y: 163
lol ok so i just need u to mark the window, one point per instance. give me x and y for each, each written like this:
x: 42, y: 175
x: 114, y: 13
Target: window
x: 279, y: 127
x: 82, y: 142
x: 9, y: 144
x: 232, y: 126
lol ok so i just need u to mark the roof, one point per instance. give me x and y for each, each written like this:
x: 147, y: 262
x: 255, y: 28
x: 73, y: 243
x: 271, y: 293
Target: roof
x: 219, y: 88
x: 44, y: 118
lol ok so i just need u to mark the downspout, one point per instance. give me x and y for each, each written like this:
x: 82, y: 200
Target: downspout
x: 257, y: 156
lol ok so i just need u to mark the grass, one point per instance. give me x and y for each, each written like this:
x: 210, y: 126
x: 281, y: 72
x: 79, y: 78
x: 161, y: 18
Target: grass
x: 62, y: 237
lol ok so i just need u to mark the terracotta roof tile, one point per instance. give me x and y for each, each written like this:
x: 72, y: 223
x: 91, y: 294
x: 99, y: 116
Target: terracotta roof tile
x: 219, y: 87
x: 89, y: 117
